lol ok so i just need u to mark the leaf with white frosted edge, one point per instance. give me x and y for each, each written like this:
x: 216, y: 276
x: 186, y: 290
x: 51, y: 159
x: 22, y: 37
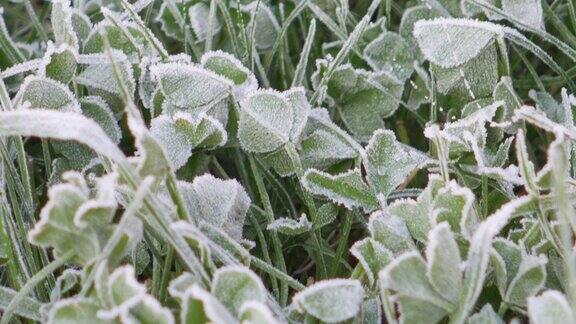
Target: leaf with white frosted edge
x: 409, y: 18
x: 551, y: 307
x: 479, y: 254
x: 504, y: 91
x: 486, y: 315
x: 253, y: 312
x: 180, y: 133
x: 62, y: 126
x: 322, y: 148
x: 208, y: 132
x: 414, y: 310
x: 417, y: 214
x: 266, y: 119
x: 102, y: 77
x: 222, y: 203
x: 464, y: 134
x: 474, y: 79
x: 61, y: 19
x: 147, y: 85
x: 507, y: 255
x: 346, y: 188
x: 443, y: 266
x: 391, y: 231
x: 195, y: 239
x: 333, y: 300
x: 151, y: 157
x: 235, y: 285
x: 539, y: 119
x: 545, y: 102
x: 301, y: 108
x: 528, y: 12
x: 390, y: 53
x: 175, y: 143
x: 388, y: 163
x: 127, y: 38
x: 289, y: 226
x: 199, y: 306
x: 363, y: 98
x: 449, y: 42
x: 127, y: 300
x: 454, y: 204
x: 319, y: 119
x: 327, y: 213
x: 75, y: 310
x: 168, y: 23
x: 406, y: 275
x: 264, y: 23
x: 96, y: 109
x: 372, y: 255
x: 45, y: 93
x: 199, y: 14
x: 75, y: 220
x: 81, y: 24
x: 371, y: 311
x: 65, y: 283
x: 190, y: 87
x: 231, y: 68
x: 280, y: 161
x: 528, y: 281
x: 59, y: 63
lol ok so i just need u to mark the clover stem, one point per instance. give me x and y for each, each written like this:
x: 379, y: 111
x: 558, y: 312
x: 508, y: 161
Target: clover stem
x: 309, y: 202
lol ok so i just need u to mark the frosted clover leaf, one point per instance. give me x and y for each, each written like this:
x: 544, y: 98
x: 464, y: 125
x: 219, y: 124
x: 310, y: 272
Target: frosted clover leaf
x: 41, y: 92
x: 388, y: 162
x: 325, y: 143
x: 528, y: 12
x: 182, y: 132
x: 391, y: 231
x: 119, y: 298
x: 551, y: 307
x: 76, y: 220
x: 236, y: 293
x: 222, y: 203
x: 453, y: 42
x: 192, y: 89
x: 439, y: 202
x: 290, y: 226
x: 262, y: 20
x: 426, y: 288
x: 362, y: 98
x: 234, y: 285
x: 331, y: 301
x: 486, y: 315
x: 199, y: 14
x: 231, y: 68
x: 518, y: 274
x: 346, y: 188
x: 372, y: 255
x: 100, y: 79
x: 266, y: 121
x: 60, y: 63
x: 417, y: 299
x: 390, y: 52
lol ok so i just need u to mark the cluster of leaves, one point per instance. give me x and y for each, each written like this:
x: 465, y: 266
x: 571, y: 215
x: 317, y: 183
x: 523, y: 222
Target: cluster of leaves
x: 224, y: 161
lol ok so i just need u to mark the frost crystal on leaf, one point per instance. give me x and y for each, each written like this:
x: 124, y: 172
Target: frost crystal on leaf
x: 332, y: 300
x: 222, y: 203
